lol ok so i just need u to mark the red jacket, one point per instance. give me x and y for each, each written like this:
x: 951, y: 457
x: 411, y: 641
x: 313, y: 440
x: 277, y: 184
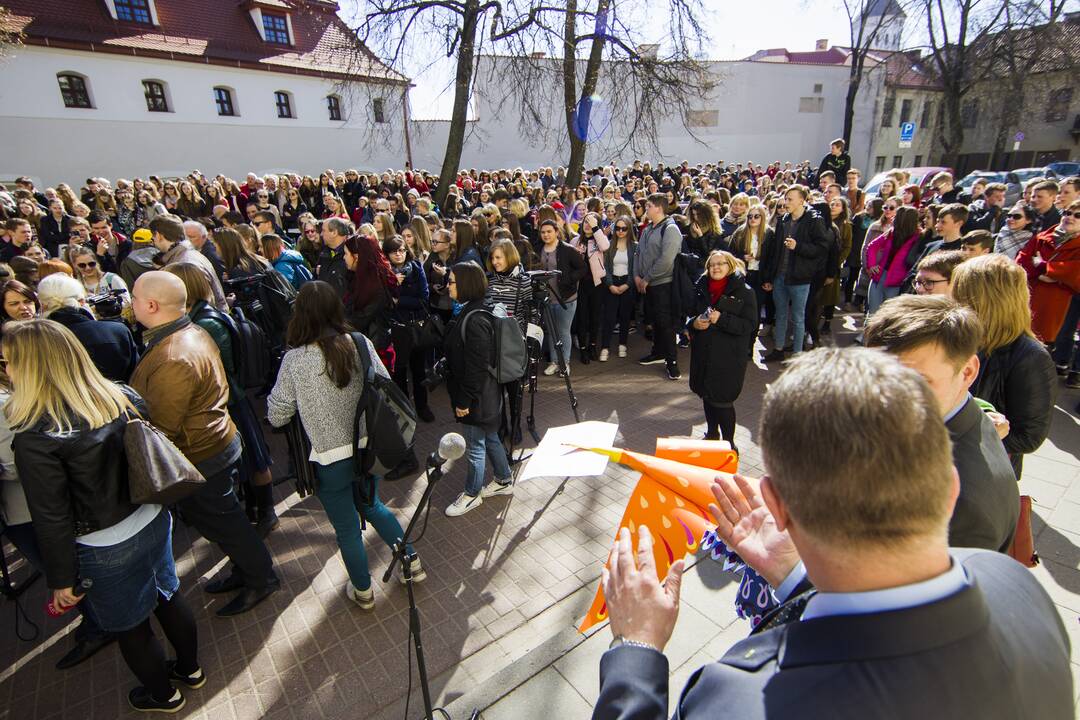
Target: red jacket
x: 1050, y: 300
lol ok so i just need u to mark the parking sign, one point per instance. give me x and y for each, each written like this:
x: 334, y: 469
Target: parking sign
x: 907, y: 134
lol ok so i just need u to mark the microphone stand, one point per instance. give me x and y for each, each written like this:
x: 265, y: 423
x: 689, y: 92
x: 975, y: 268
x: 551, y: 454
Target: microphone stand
x: 434, y: 473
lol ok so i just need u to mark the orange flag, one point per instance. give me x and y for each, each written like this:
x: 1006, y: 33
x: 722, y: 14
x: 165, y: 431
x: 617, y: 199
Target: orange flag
x: 671, y: 498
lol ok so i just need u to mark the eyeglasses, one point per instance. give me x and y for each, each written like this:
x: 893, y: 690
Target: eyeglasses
x: 621, y: 228
x: 1070, y: 213
x: 87, y: 265
x: 928, y: 284
x: 1017, y: 216
x: 754, y: 215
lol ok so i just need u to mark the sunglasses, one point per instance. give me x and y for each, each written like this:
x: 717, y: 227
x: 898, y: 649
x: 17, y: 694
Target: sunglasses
x: 621, y: 228
x: 893, y: 208
x: 1070, y: 213
x: 311, y: 232
x: 1016, y: 216
x: 754, y: 215
x: 86, y: 265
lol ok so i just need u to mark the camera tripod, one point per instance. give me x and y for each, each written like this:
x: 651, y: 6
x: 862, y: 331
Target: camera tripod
x: 541, y: 315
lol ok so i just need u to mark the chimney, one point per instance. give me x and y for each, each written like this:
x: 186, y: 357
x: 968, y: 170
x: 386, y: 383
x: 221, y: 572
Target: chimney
x: 821, y: 45
x: 648, y: 50
x: 538, y: 55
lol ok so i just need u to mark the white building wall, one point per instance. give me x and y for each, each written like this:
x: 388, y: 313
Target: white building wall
x: 119, y: 137
x: 758, y: 121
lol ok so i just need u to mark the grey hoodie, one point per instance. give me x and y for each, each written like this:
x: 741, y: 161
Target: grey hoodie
x: 656, y: 251
x: 138, y: 261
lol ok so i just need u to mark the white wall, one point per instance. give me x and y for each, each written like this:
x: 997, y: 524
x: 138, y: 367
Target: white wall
x: 759, y: 121
x: 119, y: 137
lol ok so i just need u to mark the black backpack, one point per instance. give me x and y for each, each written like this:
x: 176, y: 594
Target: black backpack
x: 252, y: 356
x: 685, y: 273
x: 389, y: 417
x: 267, y: 300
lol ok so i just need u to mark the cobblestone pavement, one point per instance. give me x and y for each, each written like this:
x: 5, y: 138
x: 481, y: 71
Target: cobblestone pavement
x: 506, y: 584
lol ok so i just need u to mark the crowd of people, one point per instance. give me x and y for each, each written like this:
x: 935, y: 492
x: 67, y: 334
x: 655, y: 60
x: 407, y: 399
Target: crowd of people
x: 129, y: 298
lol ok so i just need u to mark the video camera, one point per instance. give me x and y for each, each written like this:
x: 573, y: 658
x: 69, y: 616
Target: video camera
x: 108, y: 305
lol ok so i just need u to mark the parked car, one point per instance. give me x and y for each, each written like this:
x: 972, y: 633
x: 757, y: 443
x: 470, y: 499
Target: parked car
x: 968, y: 180
x: 1063, y: 169
x: 921, y: 176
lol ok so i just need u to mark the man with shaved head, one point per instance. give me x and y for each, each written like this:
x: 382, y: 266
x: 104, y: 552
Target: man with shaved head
x: 183, y: 382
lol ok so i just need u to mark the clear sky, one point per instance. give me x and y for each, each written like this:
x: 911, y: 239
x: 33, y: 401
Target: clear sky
x: 735, y: 29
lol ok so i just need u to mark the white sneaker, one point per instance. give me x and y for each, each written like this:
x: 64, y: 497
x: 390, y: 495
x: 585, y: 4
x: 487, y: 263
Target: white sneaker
x: 551, y: 369
x: 622, y: 351
x: 416, y: 569
x: 364, y: 598
x: 604, y: 355
x: 464, y: 504
x: 495, y: 487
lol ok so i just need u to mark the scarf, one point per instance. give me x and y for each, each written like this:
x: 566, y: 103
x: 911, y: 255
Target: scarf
x: 1060, y: 238
x: 734, y: 219
x: 1009, y: 242
x: 717, y: 288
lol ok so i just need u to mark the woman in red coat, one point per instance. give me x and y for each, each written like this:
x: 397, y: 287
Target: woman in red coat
x: 1052, y: 262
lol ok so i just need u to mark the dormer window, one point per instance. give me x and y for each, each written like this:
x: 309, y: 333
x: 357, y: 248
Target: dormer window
x: 275, y: 28
x: 141, y: 12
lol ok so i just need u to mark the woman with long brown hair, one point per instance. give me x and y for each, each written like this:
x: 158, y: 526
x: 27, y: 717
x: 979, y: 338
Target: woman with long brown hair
x: 372, y: 289
x: 1016, y: 373
x: 237, y: 259
x: 464, y: 239
x: 321, y: 380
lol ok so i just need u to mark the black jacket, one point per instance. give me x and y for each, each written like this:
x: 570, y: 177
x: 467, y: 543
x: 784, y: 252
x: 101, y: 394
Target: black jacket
x: 333, y: 270
x: 718, y: 355
x: 412, y: 303
x: 839, y: 164
x: 572, y: 265
x: 109, y: 344
x: 1019, y: 380
x: 210, y: 252
x: 468, y: 380
x: 995, y: 650
x: 53, y: 234
x: 989, y: 504
x: 75, y: 483
x: 810, y: 253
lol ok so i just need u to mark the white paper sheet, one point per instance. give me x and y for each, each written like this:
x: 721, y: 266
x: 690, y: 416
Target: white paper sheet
x: 553, y: 458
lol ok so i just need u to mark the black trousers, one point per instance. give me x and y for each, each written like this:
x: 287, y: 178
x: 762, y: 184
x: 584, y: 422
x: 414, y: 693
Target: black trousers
x: 617, y: 309
x: 720, y: 420
x: 589, y: 311
x: 658, y: 312
x: 414, y: 363
x: 764, y: 299
x: 216, y: 513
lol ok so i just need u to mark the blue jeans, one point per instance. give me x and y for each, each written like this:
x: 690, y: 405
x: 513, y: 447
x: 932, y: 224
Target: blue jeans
x: 335, y: 492
x: 563, y: 318
x: 878, y: 294
x: 796, y: 295
x: 481, y: 444
x: 1063, y: 344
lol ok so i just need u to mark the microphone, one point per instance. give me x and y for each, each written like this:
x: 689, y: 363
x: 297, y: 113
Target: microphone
x: 451, y: 447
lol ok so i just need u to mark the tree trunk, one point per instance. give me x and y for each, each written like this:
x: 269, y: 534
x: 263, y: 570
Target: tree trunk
x: 854, y: 80
x: 571, y: 100
x: 455, y: 140
x: 951, y: 132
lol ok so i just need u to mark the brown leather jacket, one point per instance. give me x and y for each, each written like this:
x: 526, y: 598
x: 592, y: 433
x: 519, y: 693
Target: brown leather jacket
x: 183, y: 382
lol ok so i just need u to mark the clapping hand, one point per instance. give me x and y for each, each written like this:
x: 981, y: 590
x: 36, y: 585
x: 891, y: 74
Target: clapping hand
x: 640, y: 607
x: 748, y: 527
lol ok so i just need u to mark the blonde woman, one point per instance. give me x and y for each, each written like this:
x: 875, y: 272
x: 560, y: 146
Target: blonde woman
x: 736, y: 214
x: 1016, y: 373
x: 723, y: 331
x: 69, y: 436
x: 417, y: 238
x: 747, y: 244
x: 93, y: 278
x: 384, y: 226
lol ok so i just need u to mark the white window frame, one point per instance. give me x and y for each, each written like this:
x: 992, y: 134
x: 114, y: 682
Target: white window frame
x: 257, y: 18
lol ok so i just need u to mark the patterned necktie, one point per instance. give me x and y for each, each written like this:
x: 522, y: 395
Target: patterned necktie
x: 789, y: 612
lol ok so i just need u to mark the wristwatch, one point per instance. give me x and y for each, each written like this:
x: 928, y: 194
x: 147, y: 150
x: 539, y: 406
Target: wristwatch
x: 619, y: 641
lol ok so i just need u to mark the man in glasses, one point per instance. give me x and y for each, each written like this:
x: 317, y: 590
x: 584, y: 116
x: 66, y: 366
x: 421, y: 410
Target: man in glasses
x: 197, y: 234
x: 263, y: 222
x: 933, y: 274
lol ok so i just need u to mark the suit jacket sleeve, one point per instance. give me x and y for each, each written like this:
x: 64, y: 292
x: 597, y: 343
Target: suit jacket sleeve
x: 1030, y: 398
x: 633, y: 685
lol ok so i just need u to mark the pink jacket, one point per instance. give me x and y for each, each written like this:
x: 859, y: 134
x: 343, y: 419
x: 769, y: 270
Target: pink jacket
x: 877, y: 252
x: 598, y: 243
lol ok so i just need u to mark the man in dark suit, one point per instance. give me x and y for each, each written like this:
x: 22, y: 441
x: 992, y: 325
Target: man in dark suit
x: 939, y: 339
x: 893, y: 623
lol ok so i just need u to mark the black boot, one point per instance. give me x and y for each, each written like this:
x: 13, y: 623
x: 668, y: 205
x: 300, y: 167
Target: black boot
x: 594, y: 353
x: 584, y: 355
x: 266, y: 517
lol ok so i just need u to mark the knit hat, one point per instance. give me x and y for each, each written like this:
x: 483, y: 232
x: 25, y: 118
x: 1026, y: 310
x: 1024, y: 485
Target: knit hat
x: 142, y: 235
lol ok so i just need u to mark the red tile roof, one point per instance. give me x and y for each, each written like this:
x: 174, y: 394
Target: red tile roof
x: 207, y: 31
